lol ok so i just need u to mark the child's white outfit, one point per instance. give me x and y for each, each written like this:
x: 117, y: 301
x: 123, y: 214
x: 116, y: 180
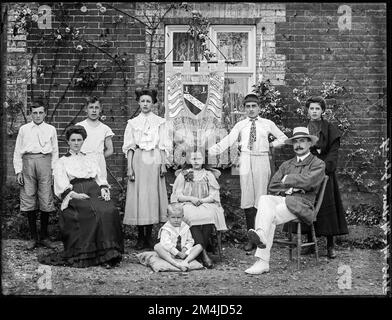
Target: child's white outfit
x: 169, y: 235
x: 95, y: 142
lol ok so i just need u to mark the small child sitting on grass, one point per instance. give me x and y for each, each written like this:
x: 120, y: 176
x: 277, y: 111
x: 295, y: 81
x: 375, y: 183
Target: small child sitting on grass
x: 176, y: 242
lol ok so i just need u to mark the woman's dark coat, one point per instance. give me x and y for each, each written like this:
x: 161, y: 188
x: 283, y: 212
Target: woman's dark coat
x: 331, y: 217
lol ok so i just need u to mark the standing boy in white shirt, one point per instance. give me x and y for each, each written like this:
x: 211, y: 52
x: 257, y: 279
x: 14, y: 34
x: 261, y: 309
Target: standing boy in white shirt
x: 36, y: 151
x: 99, y: 136
x: 254, y: 168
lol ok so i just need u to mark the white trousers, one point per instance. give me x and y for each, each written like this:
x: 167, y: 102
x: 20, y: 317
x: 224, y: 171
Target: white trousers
x: 272, y: 211
x: 255, y: 173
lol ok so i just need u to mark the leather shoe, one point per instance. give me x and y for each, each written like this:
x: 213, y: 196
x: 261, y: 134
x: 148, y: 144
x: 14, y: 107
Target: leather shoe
x: 331, y: 254
x: 259, y: 267
x: 47, y: 243
x: 31, y: 244
x: 255, y: 238
x: 207, y: 262
x: 249, y: 246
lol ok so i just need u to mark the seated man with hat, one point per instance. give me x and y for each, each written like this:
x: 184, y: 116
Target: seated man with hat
x: 292, y: 193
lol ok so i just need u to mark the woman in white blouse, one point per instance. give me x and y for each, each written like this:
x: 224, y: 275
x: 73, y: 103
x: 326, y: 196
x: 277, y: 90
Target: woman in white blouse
x: 146, y: 146
x: 89, y: 222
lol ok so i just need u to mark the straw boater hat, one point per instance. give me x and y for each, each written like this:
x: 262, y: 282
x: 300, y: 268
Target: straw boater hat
x: 301, y: 132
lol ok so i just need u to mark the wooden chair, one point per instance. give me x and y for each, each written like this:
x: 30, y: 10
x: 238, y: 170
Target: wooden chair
x: 298, y: 243
x: 218, y: 235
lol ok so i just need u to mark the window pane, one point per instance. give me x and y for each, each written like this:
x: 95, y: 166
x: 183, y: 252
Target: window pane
x: 234, y: 92
x: 234, y: 45
x: 185, y: 47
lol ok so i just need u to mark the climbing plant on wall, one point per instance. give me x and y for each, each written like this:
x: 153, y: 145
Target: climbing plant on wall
x: 87, y: 75
x: 65, y: 32
x: 357, y: 164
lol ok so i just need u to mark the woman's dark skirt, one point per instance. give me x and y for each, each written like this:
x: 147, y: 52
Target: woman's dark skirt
x: 331, y: 219
x: 91, y: 230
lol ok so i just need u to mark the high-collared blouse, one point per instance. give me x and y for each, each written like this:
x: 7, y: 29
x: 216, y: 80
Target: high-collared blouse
x: 72, y: 166
x: 146, y: 132
x: 33, y: 138
x: 264, y: 127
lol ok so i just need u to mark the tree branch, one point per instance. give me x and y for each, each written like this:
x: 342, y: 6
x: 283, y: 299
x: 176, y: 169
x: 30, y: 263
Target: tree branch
x: 127, y: 14
x: 65, y: 91
x: 52, y: 76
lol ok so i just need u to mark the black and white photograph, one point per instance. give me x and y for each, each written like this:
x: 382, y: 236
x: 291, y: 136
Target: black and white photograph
x: 195, y: 149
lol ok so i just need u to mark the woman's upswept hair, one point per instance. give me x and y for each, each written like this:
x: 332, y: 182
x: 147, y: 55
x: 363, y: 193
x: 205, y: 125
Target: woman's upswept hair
x: 75, y: 129
x: 316, y: 99
x: 148, y: 92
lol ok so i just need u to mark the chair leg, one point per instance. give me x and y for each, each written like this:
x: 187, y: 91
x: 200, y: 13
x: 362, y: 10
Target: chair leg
x: 219, y: 236
x: 299, y: 235
x: 315, y: 242
x: 291, y: 240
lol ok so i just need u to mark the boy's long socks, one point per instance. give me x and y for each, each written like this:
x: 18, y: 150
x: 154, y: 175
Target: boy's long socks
x: 32, y: 217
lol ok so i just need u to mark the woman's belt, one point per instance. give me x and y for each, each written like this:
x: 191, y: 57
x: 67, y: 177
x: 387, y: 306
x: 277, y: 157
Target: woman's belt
x: 79, y: 180
x: 138, y: 147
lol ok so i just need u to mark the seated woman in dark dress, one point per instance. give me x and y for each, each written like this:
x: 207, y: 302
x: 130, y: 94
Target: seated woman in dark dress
x: 89, y: 222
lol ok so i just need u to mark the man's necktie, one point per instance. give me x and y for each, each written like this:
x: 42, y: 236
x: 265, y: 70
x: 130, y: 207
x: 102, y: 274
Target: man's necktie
x: 252, y: 134
x: 178, y: 245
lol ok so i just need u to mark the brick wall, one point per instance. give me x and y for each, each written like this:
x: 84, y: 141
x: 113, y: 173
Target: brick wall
x: 293, y: 40
x: 314, y: 46
x: 17, y: 67
x: 116, y: 96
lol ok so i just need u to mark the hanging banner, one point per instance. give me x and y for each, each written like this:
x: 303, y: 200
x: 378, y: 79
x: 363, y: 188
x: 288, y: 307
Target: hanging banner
x: 194, y: 107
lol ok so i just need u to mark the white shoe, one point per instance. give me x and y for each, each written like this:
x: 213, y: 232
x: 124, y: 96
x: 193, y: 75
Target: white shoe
x: 256, y: 238
x: 259, y: 267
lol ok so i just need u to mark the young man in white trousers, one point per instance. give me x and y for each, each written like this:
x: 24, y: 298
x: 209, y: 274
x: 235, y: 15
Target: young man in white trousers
x: 254, y: 168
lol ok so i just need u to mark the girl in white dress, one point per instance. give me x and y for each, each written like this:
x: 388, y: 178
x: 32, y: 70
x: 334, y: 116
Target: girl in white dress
x: 198, y: 190
x: 146, y: 146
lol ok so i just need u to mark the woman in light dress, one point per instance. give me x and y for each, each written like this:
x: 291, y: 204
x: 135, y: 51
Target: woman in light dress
x: 145, y: 147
